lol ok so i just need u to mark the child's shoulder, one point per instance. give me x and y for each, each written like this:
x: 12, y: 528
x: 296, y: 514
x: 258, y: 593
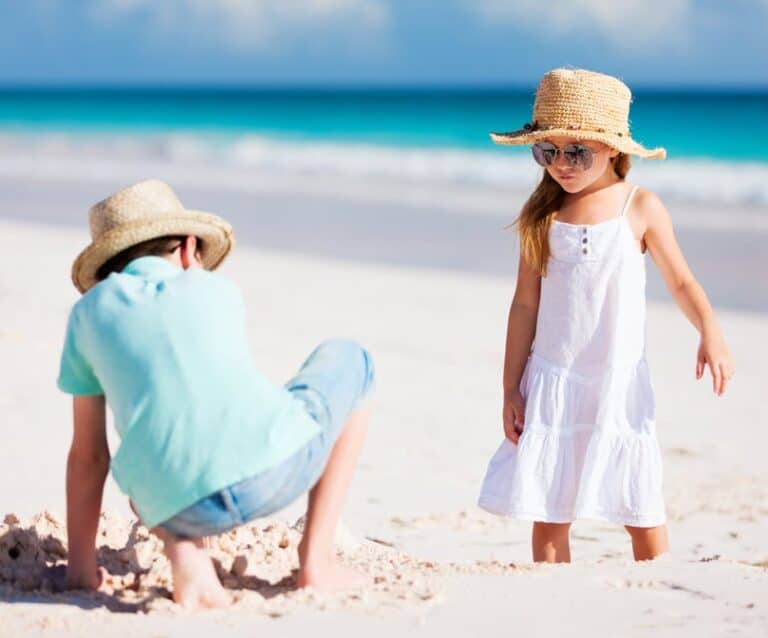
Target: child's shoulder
x: 213, y: 279
x: 213, y: 288
x: 90, y: 298
x: 646, y: 199
x: 91, y: 303
x: 119, y: 290
x: 647, y: 205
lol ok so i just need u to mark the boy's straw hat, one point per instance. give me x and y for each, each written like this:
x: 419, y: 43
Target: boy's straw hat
x: 144, y: 211
x: 581, y: 104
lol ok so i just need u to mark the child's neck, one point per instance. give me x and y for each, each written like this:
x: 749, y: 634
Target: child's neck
x: 606, y: 180
x: 593, y: 204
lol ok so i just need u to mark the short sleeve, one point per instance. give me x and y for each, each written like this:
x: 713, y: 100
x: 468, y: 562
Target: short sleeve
x: 75, y: 373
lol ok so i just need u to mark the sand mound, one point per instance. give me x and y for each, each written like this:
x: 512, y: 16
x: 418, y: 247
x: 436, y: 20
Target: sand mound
x: 258, y: 561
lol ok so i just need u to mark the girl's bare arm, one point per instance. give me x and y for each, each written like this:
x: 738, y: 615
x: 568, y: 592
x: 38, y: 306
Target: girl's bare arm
x: 521, y: 329
x: 521, y: 325
x: 660, y: 239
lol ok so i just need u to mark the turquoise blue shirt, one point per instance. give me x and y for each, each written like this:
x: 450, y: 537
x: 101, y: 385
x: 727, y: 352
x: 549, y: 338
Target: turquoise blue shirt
x: 168, y: 349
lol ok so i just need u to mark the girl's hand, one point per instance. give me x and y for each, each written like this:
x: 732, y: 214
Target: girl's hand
x: 513, y: 415
x: 714, y: 353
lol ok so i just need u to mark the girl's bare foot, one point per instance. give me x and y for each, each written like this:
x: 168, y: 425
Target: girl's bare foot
x: 550, y: 542
x: 648, y: 542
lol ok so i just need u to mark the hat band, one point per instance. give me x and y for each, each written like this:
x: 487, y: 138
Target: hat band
x: 534, y: 126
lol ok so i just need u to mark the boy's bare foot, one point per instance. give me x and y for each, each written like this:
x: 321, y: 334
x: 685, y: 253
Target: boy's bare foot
x: 330, y: 576
x: 195, y: 583
x: 194, y: 594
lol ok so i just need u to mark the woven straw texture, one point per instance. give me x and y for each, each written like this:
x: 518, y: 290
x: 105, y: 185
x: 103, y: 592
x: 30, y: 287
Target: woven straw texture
x: 584, y: 105
x: 144, y: 211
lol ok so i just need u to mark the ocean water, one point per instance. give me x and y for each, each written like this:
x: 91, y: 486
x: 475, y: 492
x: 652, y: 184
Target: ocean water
x: 717, y: 143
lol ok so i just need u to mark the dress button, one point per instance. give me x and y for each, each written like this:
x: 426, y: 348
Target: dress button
x: 584, y: 230
x: 585, y: 251
x: 584, y: 241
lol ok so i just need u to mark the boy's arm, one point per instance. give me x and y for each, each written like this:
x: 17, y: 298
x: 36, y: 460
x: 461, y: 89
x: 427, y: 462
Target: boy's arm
x: 687, y: 292
x: 87, y: 468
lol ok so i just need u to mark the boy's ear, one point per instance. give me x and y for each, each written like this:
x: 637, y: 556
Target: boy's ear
x: 190, y: 256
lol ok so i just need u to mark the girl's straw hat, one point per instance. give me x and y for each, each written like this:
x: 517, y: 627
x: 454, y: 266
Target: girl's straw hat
x: 144, y: 211
x: 581, y: 104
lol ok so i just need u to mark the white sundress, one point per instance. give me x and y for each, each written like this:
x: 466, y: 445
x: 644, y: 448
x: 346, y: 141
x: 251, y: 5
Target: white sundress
x: 588, y: 447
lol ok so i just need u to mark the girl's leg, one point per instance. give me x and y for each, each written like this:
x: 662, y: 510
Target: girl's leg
x: 648, y: 542
x: 195, y: 583
x: 317, y: 557
x: 551, y: 543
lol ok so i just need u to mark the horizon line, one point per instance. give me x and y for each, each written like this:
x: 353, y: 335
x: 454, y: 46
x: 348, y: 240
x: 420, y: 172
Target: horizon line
x: 359, y: 87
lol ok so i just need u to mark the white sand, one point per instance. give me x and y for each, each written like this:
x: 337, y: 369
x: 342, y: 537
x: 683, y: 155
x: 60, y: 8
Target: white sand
x: 437, y: 339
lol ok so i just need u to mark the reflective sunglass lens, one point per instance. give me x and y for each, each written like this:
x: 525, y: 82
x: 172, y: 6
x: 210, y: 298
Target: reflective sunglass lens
x: 578, y: 156
x: 544, y: 154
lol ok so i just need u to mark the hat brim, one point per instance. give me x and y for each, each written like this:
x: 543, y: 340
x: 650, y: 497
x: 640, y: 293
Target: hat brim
x: 623, y: 144
x: 216, y: 235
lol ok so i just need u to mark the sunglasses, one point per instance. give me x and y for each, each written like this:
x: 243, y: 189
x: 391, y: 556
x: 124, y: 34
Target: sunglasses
x: 576, y: 155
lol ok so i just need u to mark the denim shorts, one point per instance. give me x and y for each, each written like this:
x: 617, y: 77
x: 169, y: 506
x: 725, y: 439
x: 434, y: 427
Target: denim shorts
x: 335, y: 379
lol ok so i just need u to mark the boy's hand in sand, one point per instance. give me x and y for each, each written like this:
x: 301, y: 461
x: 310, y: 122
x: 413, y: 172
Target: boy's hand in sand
x: 63, y: 578
x: 714, y: 353
x: 90, y: 580
x: 513, y: 416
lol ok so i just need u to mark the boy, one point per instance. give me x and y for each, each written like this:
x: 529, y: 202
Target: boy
x: 207, y: 443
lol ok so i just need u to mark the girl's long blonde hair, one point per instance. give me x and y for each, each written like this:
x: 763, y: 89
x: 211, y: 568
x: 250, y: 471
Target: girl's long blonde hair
x: 536, y: 215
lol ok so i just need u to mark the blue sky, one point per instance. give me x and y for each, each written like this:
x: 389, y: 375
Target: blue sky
x: 703, y: 43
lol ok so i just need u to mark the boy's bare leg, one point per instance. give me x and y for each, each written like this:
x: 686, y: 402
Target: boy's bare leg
x: 648, y: 542
x: 551, y: 543
x: 318, y: 566
x: 195, y: 583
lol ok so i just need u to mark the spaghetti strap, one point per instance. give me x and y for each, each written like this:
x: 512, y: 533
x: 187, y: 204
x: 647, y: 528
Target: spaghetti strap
x: 628, y: 203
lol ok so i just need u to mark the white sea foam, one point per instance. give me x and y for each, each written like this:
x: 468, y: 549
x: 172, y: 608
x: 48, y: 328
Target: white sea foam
x: 711, y: 182
x: 706, y: 181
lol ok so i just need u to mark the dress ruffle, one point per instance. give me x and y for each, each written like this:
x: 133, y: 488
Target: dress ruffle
x: 588, y: 450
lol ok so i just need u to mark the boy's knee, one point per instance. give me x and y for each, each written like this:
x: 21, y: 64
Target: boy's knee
x: 354, y: 354
x: 369, y: 371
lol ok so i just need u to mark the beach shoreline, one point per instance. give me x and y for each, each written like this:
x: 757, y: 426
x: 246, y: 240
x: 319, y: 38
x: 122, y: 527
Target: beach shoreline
x: 442, y: 226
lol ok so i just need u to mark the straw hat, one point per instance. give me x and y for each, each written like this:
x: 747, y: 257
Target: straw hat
x: 144, y: 211
x: 581, y: 104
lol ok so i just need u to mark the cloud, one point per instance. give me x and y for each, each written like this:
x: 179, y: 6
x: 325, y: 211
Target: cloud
x: 626, y: 23
x: 252, y: 24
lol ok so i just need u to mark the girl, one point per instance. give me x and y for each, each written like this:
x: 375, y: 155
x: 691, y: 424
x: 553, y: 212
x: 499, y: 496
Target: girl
x: 578, y: 408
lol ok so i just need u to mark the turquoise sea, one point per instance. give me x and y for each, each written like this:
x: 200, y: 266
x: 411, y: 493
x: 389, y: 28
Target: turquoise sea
x: 727, y: 126
x: 717, y: 142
